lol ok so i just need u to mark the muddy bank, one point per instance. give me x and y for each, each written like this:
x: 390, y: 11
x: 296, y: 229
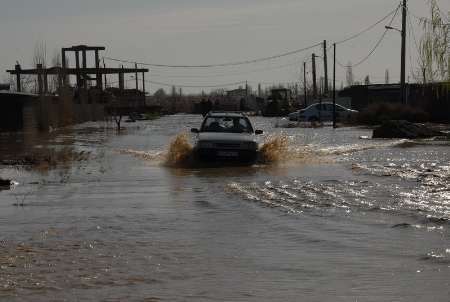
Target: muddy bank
x: 405, y: 129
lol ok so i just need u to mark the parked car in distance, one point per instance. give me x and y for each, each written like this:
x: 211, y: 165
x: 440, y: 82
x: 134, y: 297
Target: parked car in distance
x: 226, y: 136
x: 322, y: 112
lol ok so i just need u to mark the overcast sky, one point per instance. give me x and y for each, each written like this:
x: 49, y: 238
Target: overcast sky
x: 210, y: 31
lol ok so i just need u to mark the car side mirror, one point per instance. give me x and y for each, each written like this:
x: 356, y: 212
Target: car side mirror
x: 258, y: 132
x: 194, y: 130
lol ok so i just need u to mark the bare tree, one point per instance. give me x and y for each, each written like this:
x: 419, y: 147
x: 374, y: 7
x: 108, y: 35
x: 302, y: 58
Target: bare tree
x: 386, y: 76
x: 40, y: 54
x: 349, y: 75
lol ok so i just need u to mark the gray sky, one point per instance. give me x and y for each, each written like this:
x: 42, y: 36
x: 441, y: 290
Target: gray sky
x: 207, y: 32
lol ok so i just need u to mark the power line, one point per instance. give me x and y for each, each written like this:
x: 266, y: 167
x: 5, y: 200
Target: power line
x: 378, y: 42
x: 196, y: 86
x: 220, y: 64
x: 369, y: 28
x: 229, y: 74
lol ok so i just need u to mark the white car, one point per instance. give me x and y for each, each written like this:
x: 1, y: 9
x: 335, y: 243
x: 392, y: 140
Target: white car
x: 321, y: 112
x: 226, y: 136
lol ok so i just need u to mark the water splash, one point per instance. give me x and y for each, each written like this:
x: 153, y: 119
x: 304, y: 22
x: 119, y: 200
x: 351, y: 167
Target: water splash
x: 180, y: 151
x: 279, y: 149
x: 149, y: 155
x: 274, y: 149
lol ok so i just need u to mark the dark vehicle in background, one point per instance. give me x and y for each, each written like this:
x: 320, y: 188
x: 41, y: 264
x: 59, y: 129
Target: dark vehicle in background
x: 322, y: 112
x: 227, y: 136
x: 279, y: 103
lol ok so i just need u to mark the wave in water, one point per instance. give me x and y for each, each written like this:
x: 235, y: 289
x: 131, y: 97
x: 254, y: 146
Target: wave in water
x: 346, y: 196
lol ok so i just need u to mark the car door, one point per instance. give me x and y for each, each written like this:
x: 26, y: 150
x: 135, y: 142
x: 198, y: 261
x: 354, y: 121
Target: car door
x: 327, y: 112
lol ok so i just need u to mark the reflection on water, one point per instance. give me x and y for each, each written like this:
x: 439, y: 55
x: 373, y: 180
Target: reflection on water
x: 326, y: 215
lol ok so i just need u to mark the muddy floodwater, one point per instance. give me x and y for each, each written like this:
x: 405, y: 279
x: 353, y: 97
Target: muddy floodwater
x: 99, y: 216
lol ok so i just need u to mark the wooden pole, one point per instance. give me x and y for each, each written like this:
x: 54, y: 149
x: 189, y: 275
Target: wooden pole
x: 314, y: 76
x: 304, y: 84
x: 325, y: 66
x: 403, y: 54
x: 334, y: 85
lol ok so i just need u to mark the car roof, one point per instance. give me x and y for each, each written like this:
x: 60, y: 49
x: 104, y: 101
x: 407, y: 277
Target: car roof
x: 326, y: 103
x: 225, y: 114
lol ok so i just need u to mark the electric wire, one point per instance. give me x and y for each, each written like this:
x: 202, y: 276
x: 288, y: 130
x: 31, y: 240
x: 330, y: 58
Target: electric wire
x: 370, y: 27
x: 293, y: 64
x: 237, y: 63
x: 289, y: 53
x: 363, y: 60
x: 196, y: 86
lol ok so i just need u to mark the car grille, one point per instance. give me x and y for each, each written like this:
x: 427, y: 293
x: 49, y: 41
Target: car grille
x: 228, y: 145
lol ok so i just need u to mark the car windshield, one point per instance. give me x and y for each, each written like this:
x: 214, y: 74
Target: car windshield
x: 227, y: 124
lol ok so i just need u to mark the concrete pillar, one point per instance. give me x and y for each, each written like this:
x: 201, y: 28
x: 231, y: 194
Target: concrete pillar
x: 136, y: 76
x: 121, y: 81
x: 18, y: 82
x: 77, y: 66
x: 63, y: 77
x: 83, y: 52
x: 143, y: 82
x: 39, y: 76
x: 97, y: 69
x: 45, y: 77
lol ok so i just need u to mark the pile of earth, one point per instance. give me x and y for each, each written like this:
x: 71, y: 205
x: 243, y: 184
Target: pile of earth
x: 405, y: 129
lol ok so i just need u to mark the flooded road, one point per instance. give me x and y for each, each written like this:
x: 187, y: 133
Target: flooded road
x: 338, y: 218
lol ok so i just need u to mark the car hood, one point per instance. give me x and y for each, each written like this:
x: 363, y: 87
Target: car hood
x: 217, y: 136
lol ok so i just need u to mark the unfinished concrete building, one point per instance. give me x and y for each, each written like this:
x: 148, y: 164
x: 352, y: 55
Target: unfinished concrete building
x: 81, y: 94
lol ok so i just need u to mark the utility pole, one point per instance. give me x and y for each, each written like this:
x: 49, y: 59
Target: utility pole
x: 334, y: 86
x: 304, y: 84
x: 246, y: 91
x: 314, y: 76
x: 325, y: 67
x: 403, y: 53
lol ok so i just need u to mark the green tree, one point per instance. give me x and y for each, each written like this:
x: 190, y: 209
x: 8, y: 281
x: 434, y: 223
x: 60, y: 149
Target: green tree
x: 433, y: 52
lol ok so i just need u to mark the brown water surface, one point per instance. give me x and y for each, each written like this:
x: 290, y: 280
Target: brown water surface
x: 325, y: 216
